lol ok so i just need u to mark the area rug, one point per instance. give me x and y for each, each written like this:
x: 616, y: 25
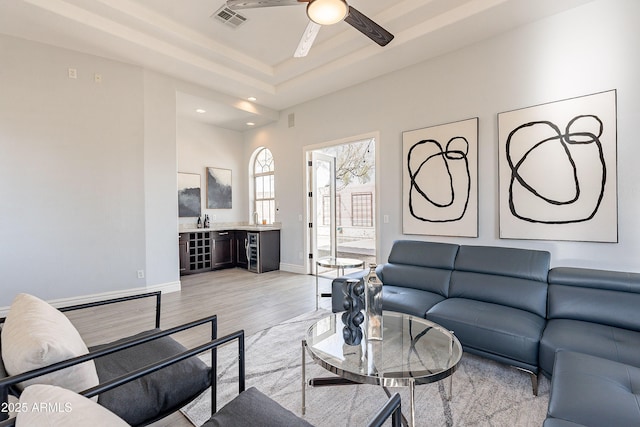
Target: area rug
x: 485, y: 393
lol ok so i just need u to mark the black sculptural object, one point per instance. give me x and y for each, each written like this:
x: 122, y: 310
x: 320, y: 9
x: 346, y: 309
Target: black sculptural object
x: 353, y: 316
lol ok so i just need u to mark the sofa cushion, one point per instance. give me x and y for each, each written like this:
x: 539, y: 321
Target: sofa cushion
x: 511, y: 277
x: 521, y: 263
x: 423, y: 254
x: 617, y: 344
x: 36, y: 335
x: 598, y: 296
x: 53, y: 406
x: 509, y: 333
x: 593, y: 391
x: 252, y: 408
x: 156, y: 394
x: 407, y: 300
x: 427, y: 279
x: 592, y: 278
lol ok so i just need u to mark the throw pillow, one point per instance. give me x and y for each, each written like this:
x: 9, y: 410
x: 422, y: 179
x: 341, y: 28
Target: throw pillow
x: 35, y: 335
x: 47, y: 405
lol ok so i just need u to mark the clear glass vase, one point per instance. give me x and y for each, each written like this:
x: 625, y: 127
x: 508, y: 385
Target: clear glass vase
x: 373, y: 304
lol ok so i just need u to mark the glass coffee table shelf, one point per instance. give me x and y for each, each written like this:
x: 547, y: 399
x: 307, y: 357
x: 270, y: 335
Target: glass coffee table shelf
x: 413, y: 351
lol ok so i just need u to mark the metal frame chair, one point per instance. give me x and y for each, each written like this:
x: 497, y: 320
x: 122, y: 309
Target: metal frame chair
x: 392, y: 408
x: 7, y: 384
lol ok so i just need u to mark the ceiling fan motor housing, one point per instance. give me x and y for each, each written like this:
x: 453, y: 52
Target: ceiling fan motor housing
x: 327, y: 12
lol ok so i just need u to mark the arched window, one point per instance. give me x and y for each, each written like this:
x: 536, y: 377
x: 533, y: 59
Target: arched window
x: 264, y: 186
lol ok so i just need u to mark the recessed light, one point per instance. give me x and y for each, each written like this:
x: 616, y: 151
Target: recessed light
x: 252, y: 98
x: 201, y: 111
x: 250, y: 124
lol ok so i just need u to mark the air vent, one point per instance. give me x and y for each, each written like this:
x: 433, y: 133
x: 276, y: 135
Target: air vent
x: 229, y: 17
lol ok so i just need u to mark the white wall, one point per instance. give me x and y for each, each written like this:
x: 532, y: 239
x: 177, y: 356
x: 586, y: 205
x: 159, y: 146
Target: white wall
x: 88, y: 184
x: 160, y: 182
x: 72, y: 202
x: 586, y: 50
x: 199, y: 146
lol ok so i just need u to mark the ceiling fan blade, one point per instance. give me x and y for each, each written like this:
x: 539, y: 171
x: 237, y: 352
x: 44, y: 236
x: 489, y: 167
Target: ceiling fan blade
x: 307, y: 39
x: 248, y: 4
x: 367, y: 27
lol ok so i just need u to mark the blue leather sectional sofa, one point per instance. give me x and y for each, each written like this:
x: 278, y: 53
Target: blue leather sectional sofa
x: 580, y: 327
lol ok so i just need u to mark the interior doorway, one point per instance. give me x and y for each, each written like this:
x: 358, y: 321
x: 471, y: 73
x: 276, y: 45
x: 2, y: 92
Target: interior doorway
x: 342, y: 202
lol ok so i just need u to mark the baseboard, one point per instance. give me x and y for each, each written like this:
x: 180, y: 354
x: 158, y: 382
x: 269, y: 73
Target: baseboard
x: 293, y: 268
x: 166, y: 288
x: 83, y: 299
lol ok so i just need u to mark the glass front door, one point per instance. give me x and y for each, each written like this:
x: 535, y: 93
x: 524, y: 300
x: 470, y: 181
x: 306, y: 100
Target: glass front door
x: 323, y: 205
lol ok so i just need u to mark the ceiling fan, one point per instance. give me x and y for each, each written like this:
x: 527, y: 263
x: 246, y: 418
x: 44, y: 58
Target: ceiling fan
x: 322, y: 12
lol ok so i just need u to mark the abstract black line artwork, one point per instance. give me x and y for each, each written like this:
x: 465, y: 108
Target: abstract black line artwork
x: 420, y: 199
x: 562, y: 144
x: 557, y: 170
x: 440, y: 180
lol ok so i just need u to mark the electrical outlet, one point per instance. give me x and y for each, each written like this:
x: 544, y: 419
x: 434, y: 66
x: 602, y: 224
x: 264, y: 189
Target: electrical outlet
x: 97, y: 78
x: 73, y: 73
x: 299, y: 255
x: 385, y: 219
x: 140, y: 274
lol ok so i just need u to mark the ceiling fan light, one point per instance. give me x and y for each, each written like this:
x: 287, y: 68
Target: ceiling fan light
x: 327, y: 12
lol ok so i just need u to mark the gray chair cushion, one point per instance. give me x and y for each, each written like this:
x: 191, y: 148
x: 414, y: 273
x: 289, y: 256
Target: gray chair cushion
x: 493, y: 329
x: 594, y: 391
x: 3, y: 374
x: 3, y: 371
x: 407, y: 300
x: 555, y: 422
x: 156, y: 394
x: 620, y: 345
x: 251, y: 408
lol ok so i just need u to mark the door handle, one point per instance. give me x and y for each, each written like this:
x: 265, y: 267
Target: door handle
x: 246, y: 248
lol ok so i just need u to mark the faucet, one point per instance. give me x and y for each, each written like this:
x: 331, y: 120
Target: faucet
x: 255, y: 217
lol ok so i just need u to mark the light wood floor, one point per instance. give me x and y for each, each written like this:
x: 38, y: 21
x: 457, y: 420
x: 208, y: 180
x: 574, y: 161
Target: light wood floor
x: 240, y: 299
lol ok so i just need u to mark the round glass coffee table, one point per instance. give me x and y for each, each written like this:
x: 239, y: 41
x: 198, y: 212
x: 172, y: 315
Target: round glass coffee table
x: 412, y: 351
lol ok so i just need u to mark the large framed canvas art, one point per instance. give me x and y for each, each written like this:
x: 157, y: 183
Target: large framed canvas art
x: 219, y: 188
x: 440, y: 180
x: 189, y: 199
x: 558, y: 170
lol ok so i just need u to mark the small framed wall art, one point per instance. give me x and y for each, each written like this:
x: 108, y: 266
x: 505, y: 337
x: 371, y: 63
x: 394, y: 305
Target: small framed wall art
x: 219, y: 194
x: 189, y: 199
x: 440, y: 180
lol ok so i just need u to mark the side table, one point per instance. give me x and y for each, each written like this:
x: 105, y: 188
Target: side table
x: 339, y: 264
